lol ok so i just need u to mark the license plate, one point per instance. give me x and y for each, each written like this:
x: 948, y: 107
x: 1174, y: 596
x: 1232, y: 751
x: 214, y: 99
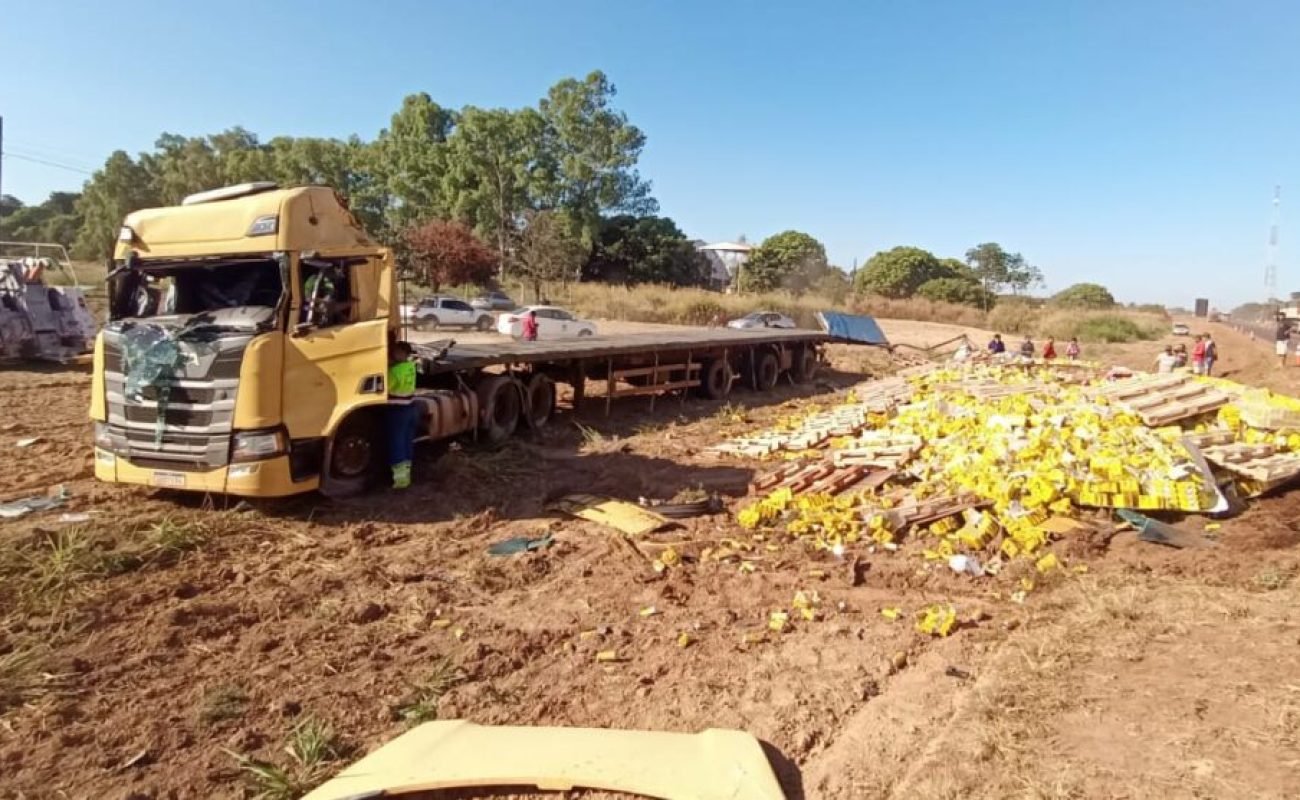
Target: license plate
x: 174, y: 480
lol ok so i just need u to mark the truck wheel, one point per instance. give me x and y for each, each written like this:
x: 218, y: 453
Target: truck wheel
x: 805, y: 365
x: 766, y: 370
x: 500, y: 401
x: 484, y: 323
x: 584, y: 332
x: 429, y: 323
x: 355, y: 457
x: 715, y: 383
x: 541, y: 401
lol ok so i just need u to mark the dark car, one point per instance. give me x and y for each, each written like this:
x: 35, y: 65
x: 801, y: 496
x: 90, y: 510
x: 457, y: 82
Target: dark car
x: 494, y: 301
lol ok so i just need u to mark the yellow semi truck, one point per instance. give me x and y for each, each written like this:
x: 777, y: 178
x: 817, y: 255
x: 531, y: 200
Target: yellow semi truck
x: 247, y: 349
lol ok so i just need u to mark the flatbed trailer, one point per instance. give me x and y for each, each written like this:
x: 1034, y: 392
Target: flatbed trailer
x: 707, y: 361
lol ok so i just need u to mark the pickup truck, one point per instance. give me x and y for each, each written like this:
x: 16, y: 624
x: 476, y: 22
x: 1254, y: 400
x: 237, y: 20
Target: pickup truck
x: 432, y: 313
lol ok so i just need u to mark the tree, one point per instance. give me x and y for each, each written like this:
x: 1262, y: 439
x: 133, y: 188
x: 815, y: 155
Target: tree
x: 964, y: 291
x: 773, y: 262
x: 1084, y: 295
x: 490, y: 159
x: 411, y: 159
x: 548, y: 250
x: 900, y: 272
x: 442, y: 252
x: 996, y: 269
x: 833, y: 284
x: 55, y: 220
x: 632, y: 250
x: 589, y: 151
x: 121, y: 186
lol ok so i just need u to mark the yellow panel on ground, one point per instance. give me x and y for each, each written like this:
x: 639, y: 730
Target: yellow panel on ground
x: 711, y: 765
x: 618, y: 514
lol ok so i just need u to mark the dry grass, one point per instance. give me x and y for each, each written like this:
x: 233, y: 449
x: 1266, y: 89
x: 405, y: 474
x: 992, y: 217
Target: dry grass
x: 312, y: 748
x: 670, y: 305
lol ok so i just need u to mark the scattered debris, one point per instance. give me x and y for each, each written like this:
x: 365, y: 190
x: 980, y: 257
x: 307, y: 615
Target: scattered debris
x: 618, y: 514
x: 521, y: 544
x: 1156, y: 532
x: 20, y: 508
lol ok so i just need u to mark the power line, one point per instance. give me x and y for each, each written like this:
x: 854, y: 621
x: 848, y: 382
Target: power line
x: 42, y: 151
x: 54, y: 164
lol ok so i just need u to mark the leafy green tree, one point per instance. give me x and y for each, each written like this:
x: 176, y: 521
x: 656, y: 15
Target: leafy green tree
x: 833, y: 284
x: 589, y: 152
x: 1084, y: 295
x: 996, y: 269
x: 964, y: 291
x: 772, y: 263
x: 121, y: 186
x: 55, y: 220
x: 447, y: 252
x: 900, y: 272
x: 490, y: 158
x: 548, y: 250
x: 632, y: 250
x: 411, y: 159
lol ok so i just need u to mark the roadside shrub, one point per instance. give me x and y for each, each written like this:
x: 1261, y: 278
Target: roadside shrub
x: 1014, y: 316
x: 700, y: 312
x: 1108, y: 327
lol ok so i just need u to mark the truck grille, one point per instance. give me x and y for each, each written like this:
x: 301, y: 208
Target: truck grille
x: 183, y: 422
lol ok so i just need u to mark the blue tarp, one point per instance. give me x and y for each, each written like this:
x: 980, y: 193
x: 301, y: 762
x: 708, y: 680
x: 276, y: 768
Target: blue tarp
x: 853, y: 328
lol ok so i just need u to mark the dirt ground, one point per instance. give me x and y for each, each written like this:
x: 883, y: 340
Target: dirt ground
x: 143, y: 652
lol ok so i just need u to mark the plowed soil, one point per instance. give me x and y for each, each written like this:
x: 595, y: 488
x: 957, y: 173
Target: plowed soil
x: 143, y: 651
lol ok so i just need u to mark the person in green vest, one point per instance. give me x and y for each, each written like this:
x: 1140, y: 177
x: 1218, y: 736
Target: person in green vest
x: 403, y: 415
x: 321, y: 303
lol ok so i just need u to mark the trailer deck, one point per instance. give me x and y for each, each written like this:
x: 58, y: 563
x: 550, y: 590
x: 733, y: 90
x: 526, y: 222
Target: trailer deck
x: 464, y: 357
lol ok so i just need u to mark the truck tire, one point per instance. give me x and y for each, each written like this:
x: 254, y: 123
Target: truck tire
x: 429, y: 323
x: 765, y: 370
x: 484, y: 323
x: 500, y: 403
x: 805, y: 365
x: 541, y: 402
x: 356, y: 456
x: 715, y: 382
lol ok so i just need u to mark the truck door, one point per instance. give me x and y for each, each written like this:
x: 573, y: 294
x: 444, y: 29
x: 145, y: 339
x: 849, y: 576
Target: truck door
x: 336, y: 353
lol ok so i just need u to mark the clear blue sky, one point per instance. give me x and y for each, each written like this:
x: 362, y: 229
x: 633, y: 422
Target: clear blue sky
x: 1131, y: 143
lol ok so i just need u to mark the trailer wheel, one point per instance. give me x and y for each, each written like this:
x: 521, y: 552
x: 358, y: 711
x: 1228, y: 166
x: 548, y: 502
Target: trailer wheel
x: 766, y: 370
x: 500, y: 401
x: 805, y: 365
x: 715, y: 383
x: 541, y: 402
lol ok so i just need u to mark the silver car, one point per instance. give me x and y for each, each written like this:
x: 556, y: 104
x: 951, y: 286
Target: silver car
x: 762, y: 319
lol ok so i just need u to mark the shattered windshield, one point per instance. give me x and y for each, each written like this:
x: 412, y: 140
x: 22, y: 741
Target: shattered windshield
x: 237, y: 292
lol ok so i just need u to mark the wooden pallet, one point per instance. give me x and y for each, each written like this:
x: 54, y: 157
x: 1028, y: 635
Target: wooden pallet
x: 1258, y: 462
x: 879, y: 449
x: 1161, y: 399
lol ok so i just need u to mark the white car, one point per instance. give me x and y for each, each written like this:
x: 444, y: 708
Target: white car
x: 1181, y: 329
x: 552, y: 323
x: 432, y: 313
x: 762, y: 319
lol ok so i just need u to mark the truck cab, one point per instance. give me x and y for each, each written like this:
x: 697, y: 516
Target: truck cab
x: 246, y: 348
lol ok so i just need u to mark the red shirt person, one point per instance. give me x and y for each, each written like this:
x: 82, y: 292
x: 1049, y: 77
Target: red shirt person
x: 1049, y: 349
x: 530, y: 327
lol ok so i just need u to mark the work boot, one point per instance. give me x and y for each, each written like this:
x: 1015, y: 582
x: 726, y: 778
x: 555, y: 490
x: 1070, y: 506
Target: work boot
x: 402, y: 475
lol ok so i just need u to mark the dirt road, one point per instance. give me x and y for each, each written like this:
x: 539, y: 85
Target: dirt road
x: 142, y: 649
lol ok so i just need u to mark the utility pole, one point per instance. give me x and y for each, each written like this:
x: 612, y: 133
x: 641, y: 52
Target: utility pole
x: 1270, y: 267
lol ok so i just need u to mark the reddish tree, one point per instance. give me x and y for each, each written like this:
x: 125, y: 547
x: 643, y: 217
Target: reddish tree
x: 447, y: 252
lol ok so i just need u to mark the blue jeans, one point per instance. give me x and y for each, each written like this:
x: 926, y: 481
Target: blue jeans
x: 402, y: 421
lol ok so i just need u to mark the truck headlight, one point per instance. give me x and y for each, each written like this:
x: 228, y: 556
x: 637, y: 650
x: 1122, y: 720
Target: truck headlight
x: 102, y: 440
x: 258, y: 445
